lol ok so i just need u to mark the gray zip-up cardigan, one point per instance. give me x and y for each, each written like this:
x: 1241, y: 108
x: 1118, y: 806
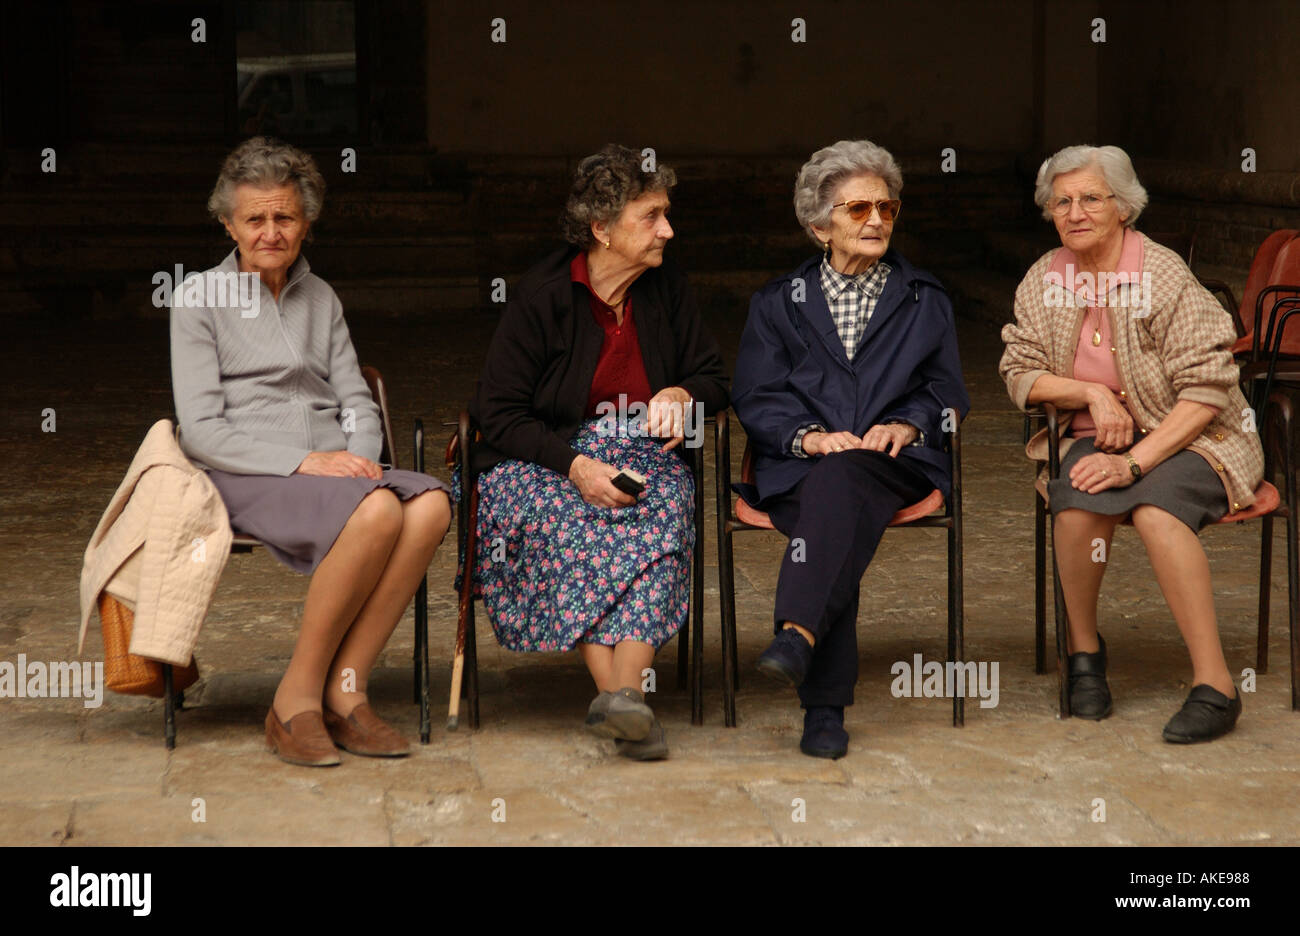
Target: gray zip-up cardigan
x: 257, y: 394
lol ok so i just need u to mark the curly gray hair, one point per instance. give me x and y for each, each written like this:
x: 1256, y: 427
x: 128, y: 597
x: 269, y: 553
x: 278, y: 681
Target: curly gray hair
x: 265, y: 162
x: 828, y: 168
x: 1110, y: 162
x: 603, y: 184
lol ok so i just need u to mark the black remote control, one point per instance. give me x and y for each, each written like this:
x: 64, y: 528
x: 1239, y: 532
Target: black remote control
x: 629, y: 482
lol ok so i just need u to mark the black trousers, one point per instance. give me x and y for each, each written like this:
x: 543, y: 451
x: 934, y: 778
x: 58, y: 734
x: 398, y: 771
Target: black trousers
x: 835, y: 518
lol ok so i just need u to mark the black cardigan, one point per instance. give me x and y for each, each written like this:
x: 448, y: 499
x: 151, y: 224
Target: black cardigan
x: 532, y: 395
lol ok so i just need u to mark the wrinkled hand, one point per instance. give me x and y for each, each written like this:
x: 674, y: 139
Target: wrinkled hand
x: 824, y: 443
x: 592, y: 478
x: 668, y: 416
x: 893, y: 437
x: 339, y: 465
x: 1099, y: 472
x: 1114, y: 424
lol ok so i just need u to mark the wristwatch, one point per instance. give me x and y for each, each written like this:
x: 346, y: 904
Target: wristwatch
x: 1133, y: 466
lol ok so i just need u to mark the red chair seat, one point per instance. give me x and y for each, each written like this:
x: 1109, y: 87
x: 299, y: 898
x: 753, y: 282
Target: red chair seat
x: 1267, y: 500
x: 922, y: 508
x: 755, y: 518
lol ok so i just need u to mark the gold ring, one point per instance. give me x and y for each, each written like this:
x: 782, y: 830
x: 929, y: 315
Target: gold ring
x: 1105, y: 474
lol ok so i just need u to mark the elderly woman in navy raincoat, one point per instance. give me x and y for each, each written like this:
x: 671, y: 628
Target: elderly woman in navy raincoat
x: 846, y: 374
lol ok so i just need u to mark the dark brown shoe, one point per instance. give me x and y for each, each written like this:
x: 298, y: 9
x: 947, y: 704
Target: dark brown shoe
x: 302, y: 741
x: 365, y: 733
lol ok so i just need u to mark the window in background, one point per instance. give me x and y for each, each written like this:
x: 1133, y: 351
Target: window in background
x: 297, y: 71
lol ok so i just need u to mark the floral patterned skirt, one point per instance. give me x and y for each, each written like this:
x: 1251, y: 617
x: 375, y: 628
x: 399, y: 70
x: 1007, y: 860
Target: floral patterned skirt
x: 554, y: 571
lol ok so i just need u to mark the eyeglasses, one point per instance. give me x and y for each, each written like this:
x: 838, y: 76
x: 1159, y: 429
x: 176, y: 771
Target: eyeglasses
x: 1088, y: 201
x: 861, y: 210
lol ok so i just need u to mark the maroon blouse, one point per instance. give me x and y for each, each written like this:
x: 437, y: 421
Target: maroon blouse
x: 620, y: 368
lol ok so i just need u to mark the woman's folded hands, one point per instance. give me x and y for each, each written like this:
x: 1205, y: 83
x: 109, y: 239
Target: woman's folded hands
x: 891, y: 438
x: 339, y: 464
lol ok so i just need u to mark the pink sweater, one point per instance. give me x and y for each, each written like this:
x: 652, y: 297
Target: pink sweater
x: 1096, y: 363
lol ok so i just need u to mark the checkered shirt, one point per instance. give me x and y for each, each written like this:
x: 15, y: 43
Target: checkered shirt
x: 852, y: 300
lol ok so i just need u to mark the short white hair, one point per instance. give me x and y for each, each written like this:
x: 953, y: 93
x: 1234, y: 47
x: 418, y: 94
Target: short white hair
x: 265, y: 162
x: 1110, y: 162
x: 828, y: 168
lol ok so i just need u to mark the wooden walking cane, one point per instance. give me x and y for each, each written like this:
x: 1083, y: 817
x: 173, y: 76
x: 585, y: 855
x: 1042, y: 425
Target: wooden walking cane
x: 465, y: 610
x: 458, y: 452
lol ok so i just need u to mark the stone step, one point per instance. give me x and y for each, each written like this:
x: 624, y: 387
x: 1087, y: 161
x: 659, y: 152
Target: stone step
x: 716, y: 292
x: 981, y: 294
x: 1012, y: 251
x: 180, y: 171
x: 69, y: 212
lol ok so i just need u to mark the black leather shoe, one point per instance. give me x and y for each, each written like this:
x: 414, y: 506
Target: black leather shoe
x: 1207, y: 714
x: 1089, y: 691
x: 823, y: 732
x: 787, y: 658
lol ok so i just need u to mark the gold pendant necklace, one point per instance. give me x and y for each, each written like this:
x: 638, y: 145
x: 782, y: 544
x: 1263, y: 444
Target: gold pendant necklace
x: 1096, y: 331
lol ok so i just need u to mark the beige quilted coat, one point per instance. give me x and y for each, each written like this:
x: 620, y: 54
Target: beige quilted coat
x: 160, y: 547
x: 1178, y: 350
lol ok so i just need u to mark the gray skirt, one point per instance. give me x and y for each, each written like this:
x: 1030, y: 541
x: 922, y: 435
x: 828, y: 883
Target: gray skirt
x: 1184, y: 485
x: 300, y: 516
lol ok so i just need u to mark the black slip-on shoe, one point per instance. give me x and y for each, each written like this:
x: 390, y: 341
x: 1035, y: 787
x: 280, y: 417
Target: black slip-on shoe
x: 1207, y: 714
x: 787, y: 658
x: 1089, y: 691
x: 823, y: 732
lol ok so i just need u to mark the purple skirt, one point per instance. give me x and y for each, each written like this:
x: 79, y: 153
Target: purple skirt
x: 299, y: 517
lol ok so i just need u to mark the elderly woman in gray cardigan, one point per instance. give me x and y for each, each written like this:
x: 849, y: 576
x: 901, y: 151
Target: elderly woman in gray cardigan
x: 271, y: 401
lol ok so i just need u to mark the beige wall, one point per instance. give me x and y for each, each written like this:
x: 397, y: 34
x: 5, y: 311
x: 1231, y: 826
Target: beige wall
x: 725, y: 76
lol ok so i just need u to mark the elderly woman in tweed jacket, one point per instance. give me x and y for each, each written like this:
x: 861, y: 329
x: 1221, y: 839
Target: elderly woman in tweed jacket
x: 1115, y: 331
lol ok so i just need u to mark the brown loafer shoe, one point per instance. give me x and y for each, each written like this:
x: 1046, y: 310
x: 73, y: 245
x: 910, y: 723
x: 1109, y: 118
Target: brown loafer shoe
x: 365, y: 733
x: 302, y: 741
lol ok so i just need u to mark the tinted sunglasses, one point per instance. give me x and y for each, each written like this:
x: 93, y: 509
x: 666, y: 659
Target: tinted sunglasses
x: 861, y: 210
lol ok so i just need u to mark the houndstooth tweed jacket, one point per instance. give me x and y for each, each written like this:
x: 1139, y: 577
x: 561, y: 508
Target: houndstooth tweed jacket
x: 1172, y: 342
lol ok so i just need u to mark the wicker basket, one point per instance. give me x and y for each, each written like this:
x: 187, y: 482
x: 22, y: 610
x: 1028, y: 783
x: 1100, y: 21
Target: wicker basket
x: 123, y: 671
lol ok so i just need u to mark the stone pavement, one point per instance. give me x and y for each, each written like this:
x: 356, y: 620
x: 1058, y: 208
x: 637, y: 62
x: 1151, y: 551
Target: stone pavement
x: 1013, y: 775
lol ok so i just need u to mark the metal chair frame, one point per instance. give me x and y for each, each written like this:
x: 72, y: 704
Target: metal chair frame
x: 729, y: 524
x: 464, y: 682
x: 1265, y: 352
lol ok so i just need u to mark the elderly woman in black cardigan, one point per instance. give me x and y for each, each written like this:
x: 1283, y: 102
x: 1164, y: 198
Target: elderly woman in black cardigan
x: 600, y: 364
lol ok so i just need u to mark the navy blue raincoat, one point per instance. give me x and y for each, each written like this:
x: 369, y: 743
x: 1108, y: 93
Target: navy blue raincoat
x: 792, y: 371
